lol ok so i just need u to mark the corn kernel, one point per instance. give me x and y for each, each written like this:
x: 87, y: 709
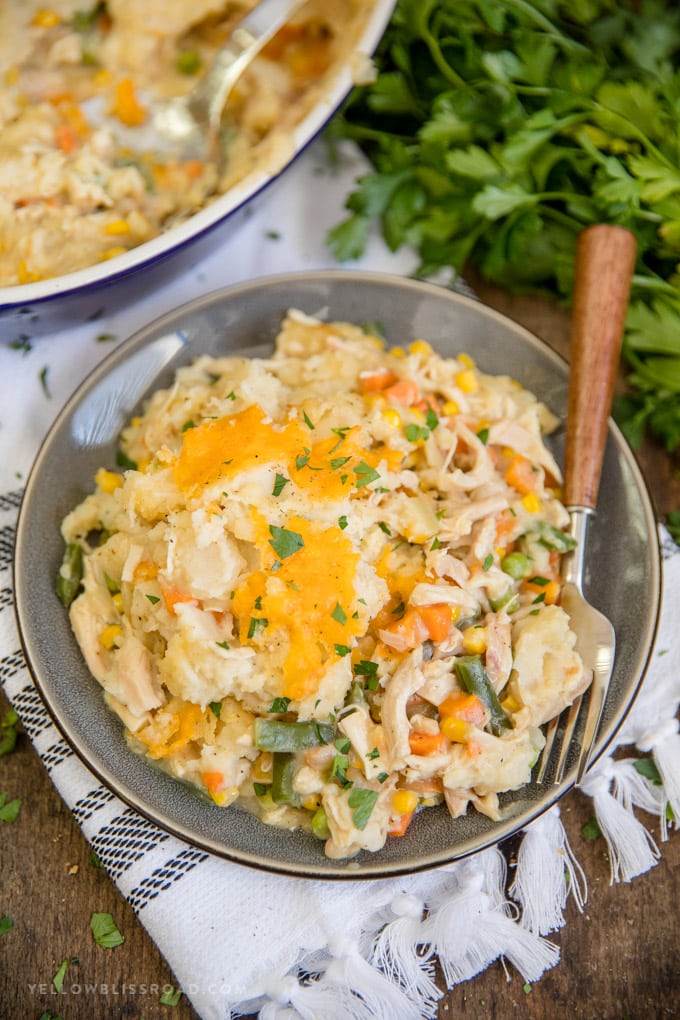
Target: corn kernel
x: 456, y: 730
x: 374, y: 400
x: 510, y: 703
x: 225, y: 797
x: 262, y: 767
x: 12, y: 76
x: 143, y: 465
x: 466, y: 381
x: 117, y: 227
x: 531, y: 503
x: 109, y: 635
x: 312, y: 802
x: 24, y: 273
x: 449, y: 408
x: 417, y: 414
x: 466, y: 360
x: 376, y: 341
x: 45, y: 18
x: 112, y: 253
x: 474, y: 640
x: 117, y: 600
x: 101, y: 77
x: 392, y: 417
x: 455, y: 613
x: 108, y: 481
x: 552, y: 592
x: 420, y: 347
x: 404, y: 801
x: 398, y: 352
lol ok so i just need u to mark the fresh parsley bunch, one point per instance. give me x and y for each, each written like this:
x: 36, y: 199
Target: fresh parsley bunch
x: 498, y: 129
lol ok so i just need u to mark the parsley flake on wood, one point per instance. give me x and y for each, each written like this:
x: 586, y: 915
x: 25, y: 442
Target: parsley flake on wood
x: 6, y: 924
x: 105, y: 932
x: 9, y: 809
x: 285, y: 542
x: 58, y: 979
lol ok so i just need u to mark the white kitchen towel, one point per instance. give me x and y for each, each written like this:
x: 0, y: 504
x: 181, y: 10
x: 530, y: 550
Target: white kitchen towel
x: 362, y: 950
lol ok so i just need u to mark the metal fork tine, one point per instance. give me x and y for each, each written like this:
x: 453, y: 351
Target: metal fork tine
x: 550, y: 732
x: 567, y: 739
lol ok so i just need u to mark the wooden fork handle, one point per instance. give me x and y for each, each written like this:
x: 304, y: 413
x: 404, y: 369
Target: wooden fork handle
x: 605, y: 259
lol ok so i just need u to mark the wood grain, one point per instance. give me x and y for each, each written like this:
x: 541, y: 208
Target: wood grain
x: 619, y: 958
x: 605, y: 259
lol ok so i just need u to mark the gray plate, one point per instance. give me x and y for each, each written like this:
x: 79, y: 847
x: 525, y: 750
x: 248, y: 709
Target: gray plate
x: 622, y: 577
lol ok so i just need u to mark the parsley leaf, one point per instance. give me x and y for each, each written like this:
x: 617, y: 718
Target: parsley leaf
x: 362, y: 802
x: 279, y: 484
x: 284, y: 542
x: 105, y: 932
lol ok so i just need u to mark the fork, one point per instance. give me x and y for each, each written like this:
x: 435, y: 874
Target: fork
x: 605, y: 259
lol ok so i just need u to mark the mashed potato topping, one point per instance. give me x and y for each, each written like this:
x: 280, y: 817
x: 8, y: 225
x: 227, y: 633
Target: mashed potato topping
x: 77, y: 81
x: 327, y: 585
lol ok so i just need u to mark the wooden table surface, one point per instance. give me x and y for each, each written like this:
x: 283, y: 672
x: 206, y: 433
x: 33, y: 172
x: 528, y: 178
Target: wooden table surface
x: 619, y: 959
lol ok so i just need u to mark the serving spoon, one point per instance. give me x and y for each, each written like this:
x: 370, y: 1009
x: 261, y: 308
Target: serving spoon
x: 605, y: 260
x: 188, y: 127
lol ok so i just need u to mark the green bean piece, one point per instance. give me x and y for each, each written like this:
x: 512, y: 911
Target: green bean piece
x: 320, y: 826
x: 284, y: 767
x: 473, y: 678
x: 71, y: 574
x: 279, y: 735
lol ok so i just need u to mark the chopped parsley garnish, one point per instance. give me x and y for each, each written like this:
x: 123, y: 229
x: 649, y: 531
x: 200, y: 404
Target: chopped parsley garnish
x: 279, y: 705
x: 280, y: 483
x: 224, y: 644
x: 342, y: 522
x: 382, y: 776
x: 415, y: 432
x: 338, y: 462
x: 216, y: 708
x: 188, y: 425
x: 284, y: 542
x: 43, y: 381
x: 384, y: 527
x: 105, y: 932
x: 375, y: 753
x: 541, y: 581
x: 365, y: 474
x: 436, y: 544
x: 341, y: 433
x: 308, y: 422
x: 123, y: 461
x: 488, y: 562
x: 153, y: 599
x: 362, y: 803
x: 483, y: 436
x: 257, y: 623
x: 431, y: 419
x: 259, y: 789
x: 339, y: 614
x: 302, y: 459
x: 342, y: 650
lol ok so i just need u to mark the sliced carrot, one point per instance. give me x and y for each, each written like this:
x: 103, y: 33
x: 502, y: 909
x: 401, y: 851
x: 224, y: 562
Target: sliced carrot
x: 428, y: 403
x: 193, y: 168
x: 398, y: 825
x: 437, y: 619
x: 173, y: 597
x: 212, y: 780
x: 407, y: 632
x: 126, y: 105
x: 404, y: 392
x: 463, y: 706
x: 521, y: 474
x: 506, y: 523
x: 423, y: 744
x: 374, y: 382
x: 66, y: 138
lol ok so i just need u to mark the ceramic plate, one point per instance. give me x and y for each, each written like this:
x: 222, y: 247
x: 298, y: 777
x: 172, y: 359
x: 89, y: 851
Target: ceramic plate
x: 622, y: 576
